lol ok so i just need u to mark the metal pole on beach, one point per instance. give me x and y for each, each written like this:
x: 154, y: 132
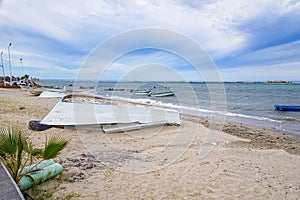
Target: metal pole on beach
x: 9, y: 63
x: 21, y: 62
x: 2, y: 67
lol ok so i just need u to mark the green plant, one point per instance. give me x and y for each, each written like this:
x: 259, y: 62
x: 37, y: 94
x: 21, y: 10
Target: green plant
x: 26, y: 76
x: 16, y: 150
x: 71, y: 195
x: 39, y: 193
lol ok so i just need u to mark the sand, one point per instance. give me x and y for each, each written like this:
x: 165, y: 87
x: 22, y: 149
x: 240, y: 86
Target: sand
x: 198, y: 160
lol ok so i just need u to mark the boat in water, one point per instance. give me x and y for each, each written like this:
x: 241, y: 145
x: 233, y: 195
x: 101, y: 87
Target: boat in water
x: 161, y: 94
x: 287, y: 108
x: 142, y: 92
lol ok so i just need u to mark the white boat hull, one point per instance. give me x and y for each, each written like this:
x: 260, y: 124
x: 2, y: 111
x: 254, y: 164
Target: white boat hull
x: 69, y: 114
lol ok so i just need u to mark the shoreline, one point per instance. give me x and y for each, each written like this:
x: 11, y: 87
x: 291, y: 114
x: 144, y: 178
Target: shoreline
x: 259, y: 114
x: 261, y: 138
x: 244, y: 162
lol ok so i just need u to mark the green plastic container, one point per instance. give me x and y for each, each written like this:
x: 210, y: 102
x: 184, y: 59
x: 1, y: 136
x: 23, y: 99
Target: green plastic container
x: 38, y: 166
x: 40, y: 176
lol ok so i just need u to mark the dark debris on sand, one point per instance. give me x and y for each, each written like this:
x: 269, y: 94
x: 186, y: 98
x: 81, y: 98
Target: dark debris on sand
x: 81, y: 167
x: 260, y: 138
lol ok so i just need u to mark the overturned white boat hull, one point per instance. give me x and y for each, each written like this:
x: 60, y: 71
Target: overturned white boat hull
x: 81, y: 114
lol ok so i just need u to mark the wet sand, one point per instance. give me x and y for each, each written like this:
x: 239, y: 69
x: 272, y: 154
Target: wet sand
x: 193, y: 161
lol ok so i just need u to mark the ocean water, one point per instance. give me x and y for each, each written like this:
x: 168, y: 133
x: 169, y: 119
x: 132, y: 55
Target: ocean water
x: 248, y: 103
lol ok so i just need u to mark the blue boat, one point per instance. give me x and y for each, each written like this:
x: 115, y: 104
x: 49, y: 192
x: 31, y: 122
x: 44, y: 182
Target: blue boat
x: 287, y: 108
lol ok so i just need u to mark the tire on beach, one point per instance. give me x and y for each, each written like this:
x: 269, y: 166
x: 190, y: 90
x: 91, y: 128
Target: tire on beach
x: 36, y: 125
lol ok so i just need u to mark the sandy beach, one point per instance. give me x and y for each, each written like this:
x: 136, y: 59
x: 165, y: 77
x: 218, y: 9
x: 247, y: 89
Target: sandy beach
x: 238, y: 162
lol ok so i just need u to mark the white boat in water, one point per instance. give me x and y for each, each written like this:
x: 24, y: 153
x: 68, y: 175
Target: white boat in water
x: 161, y: 94
x: 142, y: 92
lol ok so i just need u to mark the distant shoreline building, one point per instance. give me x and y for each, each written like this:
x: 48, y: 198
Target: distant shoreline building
x: 278, y: 81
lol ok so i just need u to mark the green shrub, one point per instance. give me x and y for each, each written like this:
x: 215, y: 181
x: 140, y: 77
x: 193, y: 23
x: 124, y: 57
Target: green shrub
x: 16, y: 150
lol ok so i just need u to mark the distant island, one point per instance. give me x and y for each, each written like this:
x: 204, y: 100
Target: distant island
x: 278, y: 81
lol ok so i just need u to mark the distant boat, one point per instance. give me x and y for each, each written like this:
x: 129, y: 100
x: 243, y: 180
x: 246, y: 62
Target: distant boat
x: 142, y: 92
x: 161, y: 94
x: 114, y: 89
x: 287, y: 108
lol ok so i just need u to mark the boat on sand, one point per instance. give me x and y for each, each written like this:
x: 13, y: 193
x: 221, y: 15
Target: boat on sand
x: 93, y: 112
x: 35, y: 92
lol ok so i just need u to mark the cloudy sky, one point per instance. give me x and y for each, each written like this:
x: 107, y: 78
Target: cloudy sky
x: 247, y: 40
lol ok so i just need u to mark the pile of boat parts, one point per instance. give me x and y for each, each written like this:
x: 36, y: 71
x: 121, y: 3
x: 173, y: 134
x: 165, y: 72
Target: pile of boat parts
x: 94, y: 113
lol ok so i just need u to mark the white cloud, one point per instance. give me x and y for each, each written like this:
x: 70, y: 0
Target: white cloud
x: 283, y: 71
x: 70, y: 21
x: 285, y: 53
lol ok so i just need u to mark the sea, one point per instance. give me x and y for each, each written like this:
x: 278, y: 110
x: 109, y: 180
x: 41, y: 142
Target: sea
x: 248, y: 103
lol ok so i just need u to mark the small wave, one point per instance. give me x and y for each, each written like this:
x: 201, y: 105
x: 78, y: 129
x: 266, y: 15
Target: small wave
x: 252, y: 117
x: 187, y: 108
x: 141, y: 101
x: 236, y: 108
x: 292, y: 119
